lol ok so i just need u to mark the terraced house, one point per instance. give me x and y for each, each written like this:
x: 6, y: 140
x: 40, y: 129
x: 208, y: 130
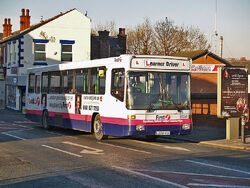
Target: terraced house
x: 62, y: 38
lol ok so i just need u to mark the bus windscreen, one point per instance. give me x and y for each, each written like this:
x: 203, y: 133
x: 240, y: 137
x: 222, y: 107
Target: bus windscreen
x: 158, y: 91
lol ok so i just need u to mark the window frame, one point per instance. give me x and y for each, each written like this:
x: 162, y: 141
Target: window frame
x: 67, y: 43
x: 42, y: 88
x: 68, y: 90
x: 31, y: 90
x: 39, y: 41
x: 112, y: 91
x: 37, y: 85
x: 40, y: 52
x: 55, y: 90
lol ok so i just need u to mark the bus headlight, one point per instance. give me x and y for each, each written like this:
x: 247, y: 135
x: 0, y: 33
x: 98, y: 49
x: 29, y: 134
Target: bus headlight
x: 185, y: 126
x: 140, y: 127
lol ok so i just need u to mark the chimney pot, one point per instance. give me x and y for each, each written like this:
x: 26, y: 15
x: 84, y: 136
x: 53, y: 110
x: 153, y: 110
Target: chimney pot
x: 23, y: 12
x: 27, y: 12
x: 120, y: 31
x: 5, y: 21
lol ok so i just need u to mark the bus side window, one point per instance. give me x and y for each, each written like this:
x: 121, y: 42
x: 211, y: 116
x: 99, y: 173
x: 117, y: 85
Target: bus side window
x: 101, y: 79
x: 45, y: 82
x: 31, y: 88
x: 93, y: 80
x: 38, y: 78
x: 98, y: 79
x: 117, y: 84
x: 81, y: 80
x: 55, y: 82
x: 67, y: 82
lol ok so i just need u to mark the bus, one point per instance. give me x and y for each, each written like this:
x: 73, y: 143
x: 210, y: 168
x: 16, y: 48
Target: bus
x: 127, y: 95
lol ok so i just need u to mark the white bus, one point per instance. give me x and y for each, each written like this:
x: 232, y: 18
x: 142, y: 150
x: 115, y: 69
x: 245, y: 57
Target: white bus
x: 122, y: 96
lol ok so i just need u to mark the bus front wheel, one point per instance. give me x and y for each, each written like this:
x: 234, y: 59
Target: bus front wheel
x: 45, y: 120
x: 98, y: 128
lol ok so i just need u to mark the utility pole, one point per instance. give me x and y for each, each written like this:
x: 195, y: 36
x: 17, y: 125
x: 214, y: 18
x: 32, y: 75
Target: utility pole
x: 215, y: 38
x: 221, y: 46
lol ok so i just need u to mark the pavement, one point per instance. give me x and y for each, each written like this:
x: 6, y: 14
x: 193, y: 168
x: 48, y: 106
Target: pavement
x: 215, y: 135
x: 209, y: 135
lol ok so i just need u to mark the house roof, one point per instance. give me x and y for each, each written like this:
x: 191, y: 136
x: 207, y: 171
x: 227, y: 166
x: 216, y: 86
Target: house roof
x: 242, y: 64
x: 19, y: 33
x: 199, y: 53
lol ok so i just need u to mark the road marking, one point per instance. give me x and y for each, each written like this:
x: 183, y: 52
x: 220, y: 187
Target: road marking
x: 67, y: 152
x: 25, y: 122
x: 215, y: 166
x: 23, y: 126
x: 122, y: 147
x: 195, y: 174
x: 13, y: 136
x: 215, y: 185
x: 151, y: 177
x: 87, y: 149
x: 166, y: 147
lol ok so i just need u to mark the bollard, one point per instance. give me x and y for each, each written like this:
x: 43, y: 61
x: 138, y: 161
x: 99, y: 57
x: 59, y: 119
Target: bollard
x: 243, y: 123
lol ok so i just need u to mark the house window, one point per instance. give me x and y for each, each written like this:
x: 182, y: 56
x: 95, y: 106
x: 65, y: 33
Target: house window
x: 39, y: 51
x: 67, y: 52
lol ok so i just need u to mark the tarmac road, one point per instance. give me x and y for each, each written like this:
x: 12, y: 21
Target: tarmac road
x: 33, y: 157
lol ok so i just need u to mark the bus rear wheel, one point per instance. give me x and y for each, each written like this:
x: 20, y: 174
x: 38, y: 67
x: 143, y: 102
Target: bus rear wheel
x: 45, y: 120
x: 98, y: 128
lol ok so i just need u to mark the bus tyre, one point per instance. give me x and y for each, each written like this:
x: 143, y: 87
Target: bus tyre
x: 98, y: 128
x: 45, y: 120
x: 151, y: 137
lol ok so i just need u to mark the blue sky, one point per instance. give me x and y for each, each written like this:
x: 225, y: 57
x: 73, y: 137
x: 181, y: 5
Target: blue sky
x: 233, y: 16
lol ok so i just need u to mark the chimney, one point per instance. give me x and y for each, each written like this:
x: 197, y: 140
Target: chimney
x: 104, y: 44
x: 7, y: 28
x: 243, y: 59
x: 232, y: 60
x: 122, y: 38
x: 24, y: 20
x: 122, y: 31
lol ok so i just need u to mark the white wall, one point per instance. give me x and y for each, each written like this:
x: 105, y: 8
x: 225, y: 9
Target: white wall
x: 71, y: 26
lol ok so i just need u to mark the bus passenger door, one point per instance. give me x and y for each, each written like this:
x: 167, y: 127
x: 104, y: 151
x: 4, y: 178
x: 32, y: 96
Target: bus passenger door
x: 117, y: 91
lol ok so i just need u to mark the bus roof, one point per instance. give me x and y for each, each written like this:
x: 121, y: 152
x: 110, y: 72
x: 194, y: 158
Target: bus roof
x: 129, y: 61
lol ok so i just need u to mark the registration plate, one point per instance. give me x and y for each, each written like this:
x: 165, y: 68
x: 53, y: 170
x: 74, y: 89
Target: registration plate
x: 162, y: 133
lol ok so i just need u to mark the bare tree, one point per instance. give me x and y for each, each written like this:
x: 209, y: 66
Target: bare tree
x: 170, y: 39
x: 162, y: 38
x: 139, y: 40
x: 196, y: 39
x: 109, y: 26
x: 165, y: 36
